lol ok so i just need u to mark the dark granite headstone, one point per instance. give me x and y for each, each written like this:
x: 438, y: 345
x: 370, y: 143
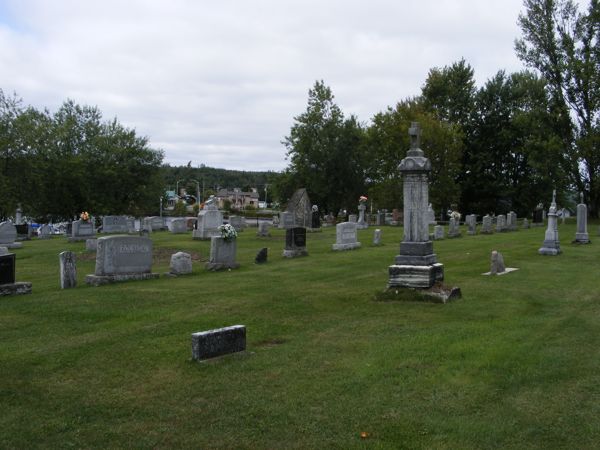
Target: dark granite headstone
x: 7, y: 268
x: 212, y: 343
x: 261, y: 256
x: 316, y: 220
x: 295, y: 242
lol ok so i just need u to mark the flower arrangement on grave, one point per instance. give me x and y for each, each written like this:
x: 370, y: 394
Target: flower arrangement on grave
x: 84, y: 216
x: 362, y: 198
x: 228, y: 233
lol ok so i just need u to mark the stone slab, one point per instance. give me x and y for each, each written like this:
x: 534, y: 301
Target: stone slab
x: 99, y: 280
x: 123, y: 255
x: 217, y: 342
x: 19, y: 288
x: 415, y: 276
x: 506, y: 270
x: 350, y: 246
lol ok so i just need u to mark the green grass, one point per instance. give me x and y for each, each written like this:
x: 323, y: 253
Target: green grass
x: 515, y: 363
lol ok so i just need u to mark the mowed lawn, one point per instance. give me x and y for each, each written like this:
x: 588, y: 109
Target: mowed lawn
x: 515, y: 363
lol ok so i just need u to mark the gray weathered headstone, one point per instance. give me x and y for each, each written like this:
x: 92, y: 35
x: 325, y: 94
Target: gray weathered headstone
x: 263, y: 229
x: 45, y: 231
x: 209, y: 221
x: 377, y: 237
x: 181, y: 263
x: 68, y: 270
x: 551, y: 244
x: 346, y: 236
x: 471, y: 221
x: 353, y: 218
x: 114, y: 224
x: 582, y: 236
x: 525, y: 223
x: 486, y: 225
x: 301, y: 207
x: 82, y: 230
x: 501, y: 223
x: 179, y: 226
x: 237, y: 222
x: 8, y: 235
x: 453, y: 228
x: 361, y: 222
x: 221, y: 341
x: 120, y: 258
x: 91, y: 245
x: 511, y: 221
x: 497, y: 263
x: 438, y: 232
x: 222, y: 254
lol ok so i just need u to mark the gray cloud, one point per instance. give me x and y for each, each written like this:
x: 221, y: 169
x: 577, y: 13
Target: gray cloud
x: 218, y: 83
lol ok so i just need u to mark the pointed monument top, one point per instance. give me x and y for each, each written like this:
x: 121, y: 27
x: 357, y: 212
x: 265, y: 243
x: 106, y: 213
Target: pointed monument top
x: 415, y: 139
x: 581, y: 196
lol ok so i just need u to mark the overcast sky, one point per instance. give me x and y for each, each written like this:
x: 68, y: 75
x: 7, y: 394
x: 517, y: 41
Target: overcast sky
x: 219, y: 82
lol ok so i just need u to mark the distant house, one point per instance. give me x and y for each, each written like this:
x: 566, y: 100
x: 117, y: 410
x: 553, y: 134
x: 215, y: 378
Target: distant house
x: 237, y: 198
x: 172, y: 200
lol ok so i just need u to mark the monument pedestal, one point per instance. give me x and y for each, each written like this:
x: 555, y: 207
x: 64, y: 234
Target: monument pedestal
x: 18, y: 288
x: 410, y: 276
x: 582, y: 238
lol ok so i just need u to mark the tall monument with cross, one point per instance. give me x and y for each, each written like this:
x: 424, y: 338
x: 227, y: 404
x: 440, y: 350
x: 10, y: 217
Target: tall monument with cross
x: 416, y: 265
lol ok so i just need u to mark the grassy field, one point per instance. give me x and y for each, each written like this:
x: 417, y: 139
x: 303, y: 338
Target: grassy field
x: 515, y: 363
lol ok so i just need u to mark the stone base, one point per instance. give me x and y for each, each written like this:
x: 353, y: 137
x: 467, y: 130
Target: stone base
x: 506, y: 270
x: 582, y: 238
x: 550, y: 248
x: 295, y: 253
x: 12, y: 245
x: 415, y: 276
x: 338, y: 247
x: 214, y: 267
x: 415, y: 260
x: 438, y: 293
x: 99, y: 280
x: 81, y: 238
x: 19, y: 288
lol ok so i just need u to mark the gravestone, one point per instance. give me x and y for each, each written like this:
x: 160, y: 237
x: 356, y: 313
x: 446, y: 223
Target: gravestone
x: 263, y: 229
x: 431, y: 215
x: 156, y: 223
x: 582, y: 236
x: 525, y: 224
x: 301, y: 207
x: 261, y: 256
x: 181, y: 264
x: 497, y: 263
x: 221, y: 341
x: 115, y: 224
x: 121, y: 258
x: 68, y: 270
x: 453, y: 228
x: 209, y: 221
x: 501, y: 223
x: 511, y: 219
x: 295, y: 242
x: 416, y: 265
x: 19, y: 215
x: 82, y: 230
x: 130, y: 225
x: 45, y: 232
x: 8, y: 235
x: 315, y: 222
x: 377, y: 237
x: 179, y: 225
x: 353, y: 218
x: 8, y: 285
x: 486, y: 225
x: 345, y: 236
x: 538, y: 215
x: 222, y: 254
x: 395, y: 217
x: 287, y: 220
x: 438, y: 232
x: 237, y: 222
x: 24, y: 232
x: 471, y: 221
x: 551, y: 244
x: 91, y: 245
x: 4, y: 251
x: 362, y: 222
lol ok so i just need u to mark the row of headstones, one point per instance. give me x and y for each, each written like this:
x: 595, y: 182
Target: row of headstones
x: 503, y: 224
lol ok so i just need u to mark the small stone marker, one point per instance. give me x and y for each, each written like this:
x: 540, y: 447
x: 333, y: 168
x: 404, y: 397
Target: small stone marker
x: 121, y: 258
x: 295, y: 242
x: 581, y: 236
x: 453, y: 228
x: 261, y: 256
x: 91, y: 245
x: 221, y: 341
x: 263, y: 229
x: 497, y: 266
x: 438, y: 232
x: 68, y: 270
x: 353, y: 218
x: 486, y: 225
x: 525, y: 224
x: 501, y: 223
x: 8, y: 235
x: 377, y: 237
x: 222, y: 254
x: 345, y: 234
x: 471, y: 221
x: 179, y: 226
x: 8, y: 285
x: 181, y: 263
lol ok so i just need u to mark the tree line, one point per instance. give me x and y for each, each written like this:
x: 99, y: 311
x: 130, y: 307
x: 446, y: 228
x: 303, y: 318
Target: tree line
x: 502, y: 146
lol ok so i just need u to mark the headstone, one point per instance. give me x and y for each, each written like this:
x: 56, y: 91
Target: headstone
x: 24, y: 232
x: 551, y: 244
x: 121, y: 258
x: 582, y: 236
x: 91, y: 245
x: 287, y: 220
x: 315, y: 223
x: 212, y: 343
x: 353, y: 218
x: 115, y: 224
x: 538, y: 215
x: 453, y: 228
x: 295, y: 242
x: 486, y: 225
x: 525, y: 224
x: 82, y: 230
x: 377, y: 237
x: 222, y: 254
x: 4, y: 251
x: 8, y: 235
x: 130, y: 225
x: 301, y: 207
x: 181, y: 263
x: 471, y: 221
x: 179, y: 225
x: 275, y: 220
x: 345, y: 234
x: 19, y: 215
x: 209, y: 221
x: 261, y: 256
x: 431, y: 215
x: 511, y: 221
x: 8, y: 285
x: 362, y: 222
x: 263, y: 229
x: 45, y: 231
x: 497, y: 263
x: 156, y: 223
x: 395, y: 217
x: 416, y: 265
x: 438, y: 232
x: 68, y: 270
x: 237, y: 222
x: 501, y: 223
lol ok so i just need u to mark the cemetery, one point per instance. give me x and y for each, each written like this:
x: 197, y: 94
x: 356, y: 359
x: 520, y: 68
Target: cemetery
x: 519, y: 350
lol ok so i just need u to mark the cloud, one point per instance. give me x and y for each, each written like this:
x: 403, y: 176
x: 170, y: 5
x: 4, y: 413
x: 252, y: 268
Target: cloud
x: 219, y: 83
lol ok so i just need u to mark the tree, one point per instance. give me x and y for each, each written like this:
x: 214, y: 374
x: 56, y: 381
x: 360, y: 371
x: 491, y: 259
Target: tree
x: 325, y: 154
x: 564, y: 46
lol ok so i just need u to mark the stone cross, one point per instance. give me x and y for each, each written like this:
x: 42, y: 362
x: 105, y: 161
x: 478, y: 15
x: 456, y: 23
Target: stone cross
x: 415, y: 139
